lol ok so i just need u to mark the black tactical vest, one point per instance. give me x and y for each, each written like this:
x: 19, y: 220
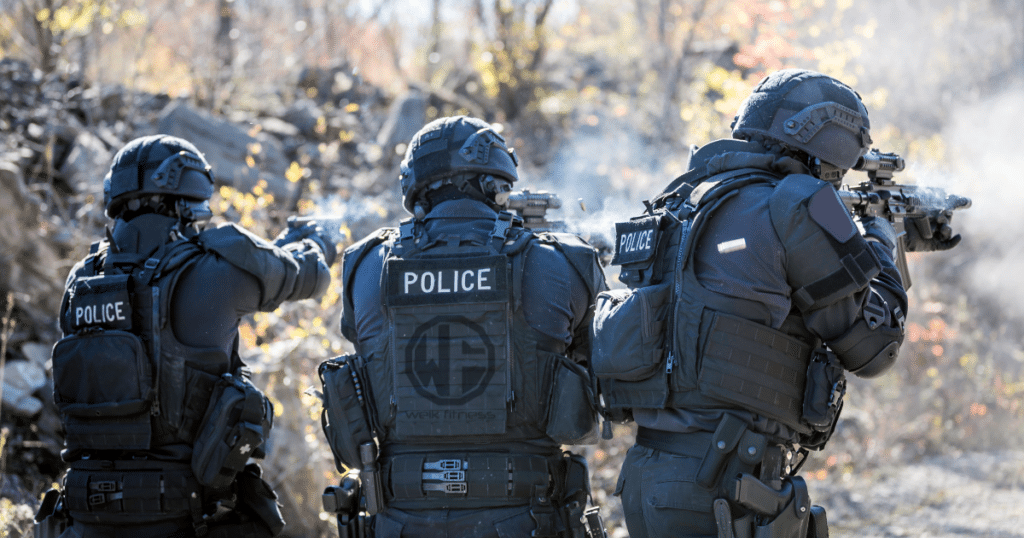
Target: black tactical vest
x: 700, y: 348
x: 458, y: 363
x: 122, y: 381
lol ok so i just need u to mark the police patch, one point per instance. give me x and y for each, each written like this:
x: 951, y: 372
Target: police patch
x: 450, y: 280
x: 636, y: 240
x: 100, y: 302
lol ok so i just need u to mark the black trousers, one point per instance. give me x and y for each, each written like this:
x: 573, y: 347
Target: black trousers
x: 660, y: 498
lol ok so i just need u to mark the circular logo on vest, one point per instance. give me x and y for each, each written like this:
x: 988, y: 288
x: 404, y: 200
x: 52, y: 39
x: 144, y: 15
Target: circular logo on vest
x: 450, y: 360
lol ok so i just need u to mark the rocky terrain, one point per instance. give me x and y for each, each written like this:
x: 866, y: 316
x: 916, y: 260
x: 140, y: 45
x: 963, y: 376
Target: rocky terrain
x: 931, y: 450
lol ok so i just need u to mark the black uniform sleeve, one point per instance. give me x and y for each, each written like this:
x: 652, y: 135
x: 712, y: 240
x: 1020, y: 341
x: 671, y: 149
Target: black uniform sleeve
x: 291, y: 274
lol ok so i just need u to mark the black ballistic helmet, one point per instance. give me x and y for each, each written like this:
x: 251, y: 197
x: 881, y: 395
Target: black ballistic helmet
x: 157, y: 165
x: 450, y: 150
x: 808, y: 111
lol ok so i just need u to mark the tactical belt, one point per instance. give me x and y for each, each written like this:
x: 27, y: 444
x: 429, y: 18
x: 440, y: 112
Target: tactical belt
x: 692, y: 445
x: 475, y: 480
x: 130, y: 491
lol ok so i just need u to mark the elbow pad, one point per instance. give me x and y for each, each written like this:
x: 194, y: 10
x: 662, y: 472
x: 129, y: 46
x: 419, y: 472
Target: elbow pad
x: 871, y: 346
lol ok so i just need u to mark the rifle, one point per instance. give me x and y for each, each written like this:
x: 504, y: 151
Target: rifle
x: 882, y: 197
x: 533, y: 208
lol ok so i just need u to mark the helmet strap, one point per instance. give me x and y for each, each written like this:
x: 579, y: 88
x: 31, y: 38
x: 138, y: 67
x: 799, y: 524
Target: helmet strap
x: 827, y: 171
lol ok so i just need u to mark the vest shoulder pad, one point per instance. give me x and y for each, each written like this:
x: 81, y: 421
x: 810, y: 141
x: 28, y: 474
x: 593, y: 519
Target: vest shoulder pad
x: 582, y: 256
x: 350, y: 260
x: 800, y: 196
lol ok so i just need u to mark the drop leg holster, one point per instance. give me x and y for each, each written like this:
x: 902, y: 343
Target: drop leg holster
x: 52, y: 519
x: 770, y: 507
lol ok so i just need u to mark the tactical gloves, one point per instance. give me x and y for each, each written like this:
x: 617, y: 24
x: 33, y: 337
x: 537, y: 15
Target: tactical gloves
x: 926, y: 234
x: 313, y: 232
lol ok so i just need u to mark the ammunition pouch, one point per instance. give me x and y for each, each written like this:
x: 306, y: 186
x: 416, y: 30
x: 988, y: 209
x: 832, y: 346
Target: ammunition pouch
x: 51, y: 518
x: 344, y: 418
x: 572, y: 408
x: 103, y: 388
x: 131, y: 492
x: 237, y: 422
x: 823, y: 397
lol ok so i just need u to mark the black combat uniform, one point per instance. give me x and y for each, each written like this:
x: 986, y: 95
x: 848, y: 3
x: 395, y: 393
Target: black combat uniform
x: 472, y: 335
x: 752, y: 290
x: 160, y: 417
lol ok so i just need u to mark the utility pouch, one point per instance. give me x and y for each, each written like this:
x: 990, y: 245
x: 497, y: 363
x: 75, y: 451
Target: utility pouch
x: 628, y: 333
x: 237, y: 422
x: 103, y: 387
x: 823, y: 394
x: 572, y: 410
x: 344, y: 419
x: 51, y: 519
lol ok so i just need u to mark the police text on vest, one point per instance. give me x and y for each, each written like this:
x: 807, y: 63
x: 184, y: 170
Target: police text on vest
x: 448, y: 280
x: 100, y: 313
x: 634, y: 241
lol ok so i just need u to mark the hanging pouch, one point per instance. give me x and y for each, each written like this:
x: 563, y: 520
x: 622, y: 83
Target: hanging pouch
x: 572, y: 409
x: 344, y: 420
x: 628, y: 332
x: 103, y: 387
x: 237, y: 422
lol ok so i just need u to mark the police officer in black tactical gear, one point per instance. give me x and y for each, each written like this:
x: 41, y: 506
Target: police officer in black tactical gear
x: 159, y: 414
x: 750, y: 292
x: 471, y: 334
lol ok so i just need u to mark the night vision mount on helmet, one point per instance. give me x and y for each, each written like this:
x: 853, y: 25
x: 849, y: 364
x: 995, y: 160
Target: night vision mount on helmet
x: 159, y: 165
x: 811, y: 112
x: 461, y: 151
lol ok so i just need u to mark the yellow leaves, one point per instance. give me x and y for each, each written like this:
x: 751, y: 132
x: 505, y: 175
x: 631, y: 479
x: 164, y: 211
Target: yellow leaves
x: 294, y: 172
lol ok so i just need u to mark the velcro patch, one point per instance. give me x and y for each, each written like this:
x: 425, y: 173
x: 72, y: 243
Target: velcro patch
x: 636, y: 240
x: 101, y: 302
x: 829, y: 212
x: 449, y: 280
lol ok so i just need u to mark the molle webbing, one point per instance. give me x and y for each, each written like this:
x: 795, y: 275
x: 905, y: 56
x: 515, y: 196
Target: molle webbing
x: 130, y: 491
x: 466, y: 480
x: 756, y: 367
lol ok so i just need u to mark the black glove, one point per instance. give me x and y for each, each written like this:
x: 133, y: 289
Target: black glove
x: 312, y: 231
x: 295, y: 233
x: 926, y: 234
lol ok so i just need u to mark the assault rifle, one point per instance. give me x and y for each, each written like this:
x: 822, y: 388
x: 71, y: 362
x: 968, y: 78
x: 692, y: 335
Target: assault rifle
x: 901, y: 205
x: 533, y: 208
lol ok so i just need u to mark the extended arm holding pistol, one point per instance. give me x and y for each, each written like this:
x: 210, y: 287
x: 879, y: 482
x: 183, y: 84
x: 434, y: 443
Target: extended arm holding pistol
x: 920, y: 215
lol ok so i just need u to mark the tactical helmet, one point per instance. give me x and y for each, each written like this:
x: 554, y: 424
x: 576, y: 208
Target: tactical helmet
x: 808, y: 111
x: 447, y: 150
x: 157, y: 165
